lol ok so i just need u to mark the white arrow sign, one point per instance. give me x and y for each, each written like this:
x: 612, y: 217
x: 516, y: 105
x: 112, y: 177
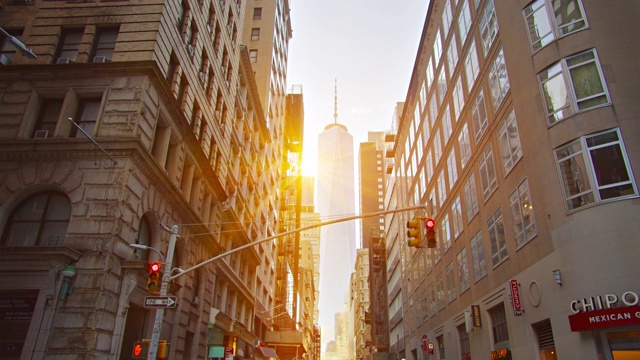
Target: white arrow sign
x: 160, y: 301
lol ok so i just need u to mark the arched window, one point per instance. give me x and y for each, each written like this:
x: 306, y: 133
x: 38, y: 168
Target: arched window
x: 40, y: 220
x: 144, y: 238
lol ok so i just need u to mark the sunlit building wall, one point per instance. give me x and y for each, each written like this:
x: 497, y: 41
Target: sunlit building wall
x: 520, y: 135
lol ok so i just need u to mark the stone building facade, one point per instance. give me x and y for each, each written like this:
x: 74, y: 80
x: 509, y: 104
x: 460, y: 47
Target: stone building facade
x: 133, y: 117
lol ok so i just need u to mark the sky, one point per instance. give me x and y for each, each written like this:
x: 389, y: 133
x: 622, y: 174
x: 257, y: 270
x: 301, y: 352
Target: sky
x: 369, y: 48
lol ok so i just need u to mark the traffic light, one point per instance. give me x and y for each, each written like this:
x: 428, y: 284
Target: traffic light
x: 430, y: 225
x: 153, y: 281
x: 140, y: 350
x: 414, y: 232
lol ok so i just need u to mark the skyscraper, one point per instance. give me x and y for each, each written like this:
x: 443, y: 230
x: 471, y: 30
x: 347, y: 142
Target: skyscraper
x: 335, y: 198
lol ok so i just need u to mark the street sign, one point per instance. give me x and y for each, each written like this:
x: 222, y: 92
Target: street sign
x: 160, y: 302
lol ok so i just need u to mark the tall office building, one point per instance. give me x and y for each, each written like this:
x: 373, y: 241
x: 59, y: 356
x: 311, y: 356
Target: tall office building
x: 371, y: 171
x: 167, y: 129
x: 335, y: 198
x: 520, y: 134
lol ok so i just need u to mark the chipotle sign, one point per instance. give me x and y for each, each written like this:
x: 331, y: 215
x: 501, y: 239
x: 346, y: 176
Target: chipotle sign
x: 603, y: 311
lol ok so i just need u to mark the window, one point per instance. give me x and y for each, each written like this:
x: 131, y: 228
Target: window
x: 464, y: 22
x: 69, y: 45
x: 440, y: 341
x: 595, y: 169
x: 465, y: 349
x: 546, y: 343
x: 47, y: 118
x: 7, y: 49
x: 437, y: 49
x: 452, y: 55
x: 497, y: 239
x: 477, y: 257
x: 86, y: 117
x: 440, y: 292
x: 499, y: 326
x: 548, y: 20
x: 447, y: 127
x: 458, y: 99
x: 488, y: 26
x: 257, y: 13
x: 432, y: 299
x: 452, y: 168
x: 442, y: 188
x: 40, y: 220
x: 433, y: 109
x: 463, y: 270
x: 255, y: 34
x: 479, y: 116
x: 471, y: 197
x: 429, y: 74
x: 465, y: 145
x: 572, y: 85
x: 442, y: 85
x: 471, y: 65
x: 509, y: 140
x: 498, y: 80
x: 456, y: 217
x: 437, y: 146
x: 447, y: 18
x: 253, y: 56
x: 144, y: 238
x: 524, y: 223
x: 446, y: 232
x: 105, y: 45
x: 451, y: 284
x: 488, y: 178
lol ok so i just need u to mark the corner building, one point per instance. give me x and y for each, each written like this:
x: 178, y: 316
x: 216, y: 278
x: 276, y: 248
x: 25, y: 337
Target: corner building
x: 167, y: 92
x: 520, y: 134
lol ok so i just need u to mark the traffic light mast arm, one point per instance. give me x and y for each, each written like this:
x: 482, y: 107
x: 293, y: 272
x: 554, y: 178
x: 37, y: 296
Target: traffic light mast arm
x: 330, y: 222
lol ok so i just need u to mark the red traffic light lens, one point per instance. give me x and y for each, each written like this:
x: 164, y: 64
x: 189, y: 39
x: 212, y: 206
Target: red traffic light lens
x: 430, y: 223
x: 155, y: 267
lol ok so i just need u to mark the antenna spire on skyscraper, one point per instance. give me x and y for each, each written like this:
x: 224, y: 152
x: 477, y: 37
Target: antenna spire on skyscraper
x: 335, y: 102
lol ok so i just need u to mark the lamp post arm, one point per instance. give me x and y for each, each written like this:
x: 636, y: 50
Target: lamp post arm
x: 330, y: 222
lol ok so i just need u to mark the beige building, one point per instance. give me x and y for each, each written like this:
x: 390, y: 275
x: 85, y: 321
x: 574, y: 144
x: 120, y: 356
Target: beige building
x: 520, y: 134
x: 360, y: 305
x: 175, y: 135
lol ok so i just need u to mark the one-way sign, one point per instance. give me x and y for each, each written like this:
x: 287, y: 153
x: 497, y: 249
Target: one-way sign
x: 160, y: 302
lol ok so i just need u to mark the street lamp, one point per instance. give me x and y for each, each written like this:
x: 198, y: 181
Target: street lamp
x: 19, y: 45
x: 145, y: 247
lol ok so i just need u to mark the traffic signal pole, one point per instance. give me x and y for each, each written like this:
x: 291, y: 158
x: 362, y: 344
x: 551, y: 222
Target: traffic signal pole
x: 164, y: 289
x: 330, y: 222
x: 167, y: 277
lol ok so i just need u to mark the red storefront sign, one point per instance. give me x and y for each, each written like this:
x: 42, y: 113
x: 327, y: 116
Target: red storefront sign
x: 515, y: 297
x: 624, y: 316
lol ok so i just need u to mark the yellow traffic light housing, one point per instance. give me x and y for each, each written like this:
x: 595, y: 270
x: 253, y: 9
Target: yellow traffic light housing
x: 430, y: 226
x: 414, y: 232
x: 154, y: 278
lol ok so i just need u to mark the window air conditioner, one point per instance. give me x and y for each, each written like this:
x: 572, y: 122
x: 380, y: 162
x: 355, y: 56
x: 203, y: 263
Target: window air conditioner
x: 41, y: 134
x: 4, y: 59
x: 202, y: 77
x: 191, y: 50
x: 99, y: 59
x: 63, y: 60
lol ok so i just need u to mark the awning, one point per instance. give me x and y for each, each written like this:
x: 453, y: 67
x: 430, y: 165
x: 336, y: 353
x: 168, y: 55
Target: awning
x: 268, y: 352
